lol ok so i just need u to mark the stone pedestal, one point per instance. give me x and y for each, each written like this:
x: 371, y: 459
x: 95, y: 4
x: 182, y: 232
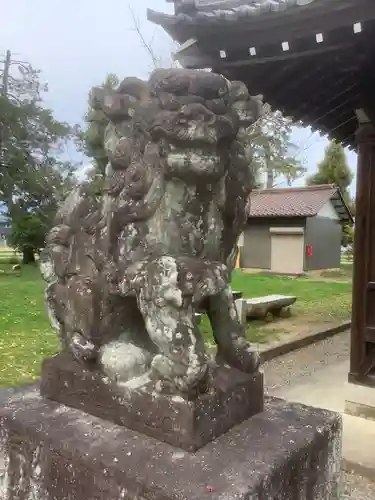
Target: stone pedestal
x: 233, y: 397
x: 53, y: 452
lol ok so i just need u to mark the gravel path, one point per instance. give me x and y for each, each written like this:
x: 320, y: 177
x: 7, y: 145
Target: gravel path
x: 357, y: 488
x: 292, y: 368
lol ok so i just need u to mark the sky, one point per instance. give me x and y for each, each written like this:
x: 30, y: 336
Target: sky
x: 76, y: 43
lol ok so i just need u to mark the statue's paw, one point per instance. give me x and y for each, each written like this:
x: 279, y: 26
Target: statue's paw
x: 123, y: 361
x: 172, y: 377
x: 241, y: 355
x: 82, y: 349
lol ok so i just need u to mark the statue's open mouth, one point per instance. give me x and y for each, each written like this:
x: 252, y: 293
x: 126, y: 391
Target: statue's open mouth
x: 205, y: 162
x: 207, y: 130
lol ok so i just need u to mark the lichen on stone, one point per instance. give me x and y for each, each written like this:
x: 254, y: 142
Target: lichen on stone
x: 161, y: 240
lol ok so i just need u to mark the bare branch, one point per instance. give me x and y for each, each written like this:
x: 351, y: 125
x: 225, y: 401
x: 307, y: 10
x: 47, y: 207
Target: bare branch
x: 146, y: 45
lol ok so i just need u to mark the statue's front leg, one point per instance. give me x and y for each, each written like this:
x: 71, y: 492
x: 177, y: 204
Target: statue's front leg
x: 181, y: 365
x: 81, y: 320
x: 232, y: 346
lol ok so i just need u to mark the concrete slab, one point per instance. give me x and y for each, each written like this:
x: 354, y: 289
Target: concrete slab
x: 360, y: 401
x: 328, y: 388
x: 358, y: 451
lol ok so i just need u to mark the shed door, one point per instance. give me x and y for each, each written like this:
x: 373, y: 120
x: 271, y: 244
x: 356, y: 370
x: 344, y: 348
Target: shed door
x: 287, y: 250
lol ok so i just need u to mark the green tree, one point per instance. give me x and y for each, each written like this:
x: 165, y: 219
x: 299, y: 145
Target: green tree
x: 35, y: 206
x: 91, y: 139
x: 270, y: 151
x: 31, y: 175
x: 334, y: 169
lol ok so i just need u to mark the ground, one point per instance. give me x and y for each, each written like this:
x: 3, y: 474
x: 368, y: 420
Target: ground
x: 344, y: 273
x: 316, y: 376
x: 320, y: 304
x: 25, y: 333
x: 356, y: 488
x: 26, y: 336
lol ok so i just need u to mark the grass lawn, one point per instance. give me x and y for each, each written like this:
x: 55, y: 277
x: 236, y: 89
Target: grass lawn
x: 344, y: 273
x: 9, y: 255
x: 26, y: 336
x: 317, y: 302
x: 331, y: 300
x: 25, y: 333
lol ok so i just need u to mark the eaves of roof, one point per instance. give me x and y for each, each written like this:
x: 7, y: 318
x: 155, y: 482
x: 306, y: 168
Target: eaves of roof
x: 213, y: 12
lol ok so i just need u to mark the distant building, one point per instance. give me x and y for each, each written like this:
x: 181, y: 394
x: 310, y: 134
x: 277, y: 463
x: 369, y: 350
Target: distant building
x: 5, y: 228
x: 293, y: 230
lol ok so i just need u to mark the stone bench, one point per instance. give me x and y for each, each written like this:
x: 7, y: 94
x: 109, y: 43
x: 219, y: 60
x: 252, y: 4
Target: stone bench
x: 275, y: 305
x: 259, y: 307
x: 237, y: 296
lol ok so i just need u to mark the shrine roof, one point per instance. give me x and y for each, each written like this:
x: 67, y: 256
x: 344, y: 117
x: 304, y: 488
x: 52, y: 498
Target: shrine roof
x: 297, y: 202
x: 216, y: 12
x: 311, y: 59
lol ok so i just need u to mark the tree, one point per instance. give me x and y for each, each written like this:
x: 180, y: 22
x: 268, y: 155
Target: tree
x: 32, y: 177
x: 34, y: 209
x: 271, y: 151
x: 347, y: 239
x: 334, y: 169
x: 91, y: 140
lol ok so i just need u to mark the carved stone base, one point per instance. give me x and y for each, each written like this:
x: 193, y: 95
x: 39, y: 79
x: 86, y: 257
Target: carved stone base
x: 233, y: 398
x: 51, y: 452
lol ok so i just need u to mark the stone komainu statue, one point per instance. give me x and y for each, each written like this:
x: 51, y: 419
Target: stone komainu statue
x: 127, y: 270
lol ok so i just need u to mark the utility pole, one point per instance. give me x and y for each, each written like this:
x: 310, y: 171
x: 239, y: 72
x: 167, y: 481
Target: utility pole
x: 4, y: 93
x: 7, y: 62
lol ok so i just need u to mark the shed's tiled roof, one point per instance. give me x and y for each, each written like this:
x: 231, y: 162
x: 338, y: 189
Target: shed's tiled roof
x: 296, y: 202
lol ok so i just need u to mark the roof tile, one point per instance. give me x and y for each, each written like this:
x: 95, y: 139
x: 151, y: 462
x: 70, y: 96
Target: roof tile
x: 290, y: 202
x: 228, y: 10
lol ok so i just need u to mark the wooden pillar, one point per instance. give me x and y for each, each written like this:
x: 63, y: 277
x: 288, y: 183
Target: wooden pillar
x: 362, y: 354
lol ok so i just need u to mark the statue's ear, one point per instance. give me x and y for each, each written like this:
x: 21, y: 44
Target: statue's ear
x: 257, y: 102
x: 134, y: 87
x: 248, y: 111
x: 96, y: 98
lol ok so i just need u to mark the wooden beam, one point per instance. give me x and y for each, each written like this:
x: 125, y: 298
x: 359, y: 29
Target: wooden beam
x: 256, y: 31
x: 286, y: 56
x: 319, y: 83
x: 341, y: 110
x: 364, y: 261
x: 328, y: 103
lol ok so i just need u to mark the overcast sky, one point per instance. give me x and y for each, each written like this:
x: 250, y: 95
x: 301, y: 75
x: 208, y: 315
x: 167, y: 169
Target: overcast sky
x: 76, y: 43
